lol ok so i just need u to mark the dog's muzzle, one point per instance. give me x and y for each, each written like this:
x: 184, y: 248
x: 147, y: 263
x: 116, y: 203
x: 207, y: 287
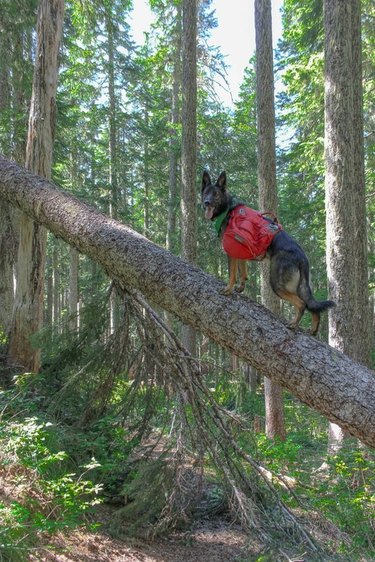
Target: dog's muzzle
x: 208, y: 210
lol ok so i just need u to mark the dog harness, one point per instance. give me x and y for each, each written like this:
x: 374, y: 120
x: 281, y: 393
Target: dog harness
x: 246, y: 233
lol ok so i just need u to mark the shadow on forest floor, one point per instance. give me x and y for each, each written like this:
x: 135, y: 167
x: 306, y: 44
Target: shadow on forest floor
x: 212, y: 540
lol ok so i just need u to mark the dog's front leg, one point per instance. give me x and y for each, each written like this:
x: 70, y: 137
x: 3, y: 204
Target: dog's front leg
x: 232, y: 264
x: 243, y: 275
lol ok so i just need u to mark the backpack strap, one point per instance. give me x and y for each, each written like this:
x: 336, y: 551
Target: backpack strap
x: 220, y: 219
x: 270, y: 216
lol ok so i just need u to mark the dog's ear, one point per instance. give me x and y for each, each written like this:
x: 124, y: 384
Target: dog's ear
x: 222, y: 181
x: 206, y: 180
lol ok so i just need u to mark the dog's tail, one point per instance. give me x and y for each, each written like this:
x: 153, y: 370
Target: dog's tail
x: 305, y: 293
x: 318, y: 306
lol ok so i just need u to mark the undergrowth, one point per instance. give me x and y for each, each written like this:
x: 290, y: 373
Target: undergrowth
x: 52, y: 474
x: 339, y: 488
x: 42, y: 489
x: 85, y: 431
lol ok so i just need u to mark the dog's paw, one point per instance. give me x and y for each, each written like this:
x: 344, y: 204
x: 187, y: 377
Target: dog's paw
x: 240, y: 288
x: 227, y: 291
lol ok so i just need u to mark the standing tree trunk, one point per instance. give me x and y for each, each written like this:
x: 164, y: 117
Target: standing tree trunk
x: 112, y: 146
x: 344, y: 183
x: 7, y: 246
x: 362, y: 311
x: 56, y: 299
x: 48, y: 313
x: 73, y: 289
x: 12, y: 95
x: 74, y: 257
x: 189, y: 147
x: 113, y: 167
x: 6, y: 211
x: 275, y: 426
x: 146, y: 174
x: 173, y: 141
x: 28, y: 306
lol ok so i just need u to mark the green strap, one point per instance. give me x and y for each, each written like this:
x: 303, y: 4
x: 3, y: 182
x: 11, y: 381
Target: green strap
x: 219, y: 221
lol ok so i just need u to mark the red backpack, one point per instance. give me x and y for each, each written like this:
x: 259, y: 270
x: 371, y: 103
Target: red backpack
x: 248, y: 233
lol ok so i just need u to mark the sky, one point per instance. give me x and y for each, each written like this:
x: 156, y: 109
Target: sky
x: 235, y: 35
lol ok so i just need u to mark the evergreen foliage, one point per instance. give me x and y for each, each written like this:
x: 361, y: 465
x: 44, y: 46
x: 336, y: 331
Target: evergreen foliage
x: 110, y: 416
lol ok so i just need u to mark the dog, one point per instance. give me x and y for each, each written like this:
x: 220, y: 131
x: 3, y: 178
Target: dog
x: 247, y: 234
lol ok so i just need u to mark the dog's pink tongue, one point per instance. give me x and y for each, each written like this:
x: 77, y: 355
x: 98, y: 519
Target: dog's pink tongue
x: 209, y: 213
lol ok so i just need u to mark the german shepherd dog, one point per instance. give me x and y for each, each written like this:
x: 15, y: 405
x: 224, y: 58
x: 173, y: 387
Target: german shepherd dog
x: 289, y: 266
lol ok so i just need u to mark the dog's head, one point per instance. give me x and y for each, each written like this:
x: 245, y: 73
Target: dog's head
x: 214, y: 197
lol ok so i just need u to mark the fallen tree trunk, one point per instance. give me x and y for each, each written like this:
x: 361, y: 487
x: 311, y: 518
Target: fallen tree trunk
x: 320, y: 376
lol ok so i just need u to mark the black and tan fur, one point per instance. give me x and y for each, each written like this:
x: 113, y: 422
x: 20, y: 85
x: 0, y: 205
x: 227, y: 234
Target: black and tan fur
x: 289, y: 266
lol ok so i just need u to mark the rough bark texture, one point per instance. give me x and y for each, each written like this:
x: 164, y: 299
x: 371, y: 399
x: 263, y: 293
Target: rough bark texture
x: 57, y: 290
x: 345, y: 196
x: 319, y: 375
x: 174, y: 147
x: 275, y: 426
x: 189, y: 131
x: 113, y: 160
x: 28, y: 305
x: 345, y: 179
x: 362, y: 308
x: 73, y: 288
x: 7, y: 247
x: 339, y: 180
x: 189, y: 146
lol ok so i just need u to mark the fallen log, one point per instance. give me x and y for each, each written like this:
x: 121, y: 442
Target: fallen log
x: 325, y: 379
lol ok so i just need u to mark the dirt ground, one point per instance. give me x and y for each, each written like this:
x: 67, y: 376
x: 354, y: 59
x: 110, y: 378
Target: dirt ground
x: 215, y: 540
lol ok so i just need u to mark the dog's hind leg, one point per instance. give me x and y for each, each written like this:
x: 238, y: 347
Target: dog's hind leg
x: 314, y: 306
x: 298, y: 304
x: 315, y: 321
x: 233, y: 265
x: 242, y: 266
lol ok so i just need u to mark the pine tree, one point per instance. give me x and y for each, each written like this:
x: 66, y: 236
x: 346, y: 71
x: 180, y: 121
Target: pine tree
x: 189, y: 146
x: 275, y: 426
x: 28, y: 307
x: 347, y: 266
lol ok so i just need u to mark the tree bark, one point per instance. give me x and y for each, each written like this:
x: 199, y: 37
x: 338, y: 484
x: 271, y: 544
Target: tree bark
x: 174, y: 146
x: 112, y: 130
x: 339, y: 173
x: 345, y: 189
x: 327, y: 380
x: 275, y: 426
x: 56, y: 299
x: 48, y: 317
x: 7, y: 248
x: 362, y: 314
x: 73, y: 288
x: 189, y: 147
x: 28, y: 305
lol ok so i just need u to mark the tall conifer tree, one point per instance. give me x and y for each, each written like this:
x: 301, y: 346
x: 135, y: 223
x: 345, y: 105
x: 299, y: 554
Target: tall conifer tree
x: 28, y: 307
x: 275, y: 426
x: 347, y: 265
x: 189, y: 144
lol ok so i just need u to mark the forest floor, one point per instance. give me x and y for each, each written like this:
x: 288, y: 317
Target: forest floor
x: 210, y: 540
